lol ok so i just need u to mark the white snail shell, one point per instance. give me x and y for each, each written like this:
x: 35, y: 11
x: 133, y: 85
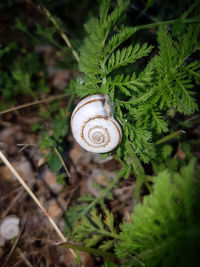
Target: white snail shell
x: 93, y: 125
x: 9, y: 227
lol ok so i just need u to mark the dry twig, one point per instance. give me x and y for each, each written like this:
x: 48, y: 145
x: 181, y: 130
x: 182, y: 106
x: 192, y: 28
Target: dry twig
x: 62, y: 161
x: 13, y: 248
x: 24, y: 258
x: 15, y: 199
x: 58, y: 231
x: 33, y: 103
x: 61, y: 32
x: 4, y: 159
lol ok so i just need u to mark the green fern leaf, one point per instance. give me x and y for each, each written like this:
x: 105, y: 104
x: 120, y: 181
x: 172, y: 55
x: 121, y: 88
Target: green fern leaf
x: 127, y: 55
x: 106, y: 245
x: 109, y: 221
x: 93, y: 240
x: 93, y: 229
x: 165, y: 228
x: 117, y: 39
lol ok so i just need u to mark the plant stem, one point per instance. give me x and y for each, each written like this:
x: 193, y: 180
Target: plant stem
x: 9, y: 255
x: 137, y: 166
x: 62, y: 161
x: 61, y: 32
x: 103, y: 193
x: 22, y: 255
x: 169, y: 137
x: 90, y: 250
x: 65, y: 38
x: 4, y: 159
x: 173, y: 21
x: 190, y: 9
x: 34, y: 103
x: 138, y: 170
x: 106, y: 233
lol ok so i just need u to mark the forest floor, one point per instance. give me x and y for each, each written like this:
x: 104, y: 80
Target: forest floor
x: 36, y: 243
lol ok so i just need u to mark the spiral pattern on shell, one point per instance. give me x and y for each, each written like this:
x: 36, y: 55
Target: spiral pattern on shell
x: 9, y: 227
x: 93, y: 125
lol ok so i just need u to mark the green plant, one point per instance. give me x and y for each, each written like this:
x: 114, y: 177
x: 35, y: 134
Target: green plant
x: 142, y: 101
x: 92, y: 230
x: 19, y: 77
x: 150, y: 86
x: 165, y: 228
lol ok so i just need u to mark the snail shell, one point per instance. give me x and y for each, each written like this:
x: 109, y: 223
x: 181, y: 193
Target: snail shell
x: 93, y: 125
x: 9, y: 227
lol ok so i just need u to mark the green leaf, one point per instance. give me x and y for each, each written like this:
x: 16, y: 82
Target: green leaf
x: 109, y: 221
x: 93, y: 240
x: 97, y: 219
x: 166, y: 151
x: 106, y: 245
x: 126, y: 56
x: 54, y: 162
x: 109, y: 264
x: 166, y: 224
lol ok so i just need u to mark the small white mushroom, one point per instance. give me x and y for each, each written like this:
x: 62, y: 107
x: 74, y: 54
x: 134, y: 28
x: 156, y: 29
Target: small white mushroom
x: 9, y: 227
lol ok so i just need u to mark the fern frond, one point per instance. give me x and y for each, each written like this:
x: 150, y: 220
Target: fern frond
x: 165, y: 228
x: 103, y: 10
x: 186, y: 104
x: 193, y: 70
x: 118, y: 38
x: 125, y: 84
x: 126, y: 56
x: 93, y: 229
x: 107, y: 244
x: 158, y: 122
x: 142, y: 100
x: 174, y: 80
x: 187, y: 43
x: 134, y: 101
x: 115, y: 14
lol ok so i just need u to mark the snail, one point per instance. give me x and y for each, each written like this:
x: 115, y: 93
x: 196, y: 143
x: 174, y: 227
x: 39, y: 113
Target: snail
x: 9, y: 227
x: 93, y: 125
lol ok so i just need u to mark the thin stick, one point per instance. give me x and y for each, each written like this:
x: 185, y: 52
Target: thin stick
x: 13, y: 248
x: 94, y: 251
x: 33, y: 103
x: 173, y: 21
x: 169, y: 137
x: 5, y: 144
x: 65, y: 38
x: 61, y: 32
x: 24, y: 258
x: 62, y: 161
x: 4, y: 159
x: 15, y: 199
x: 24, y: 147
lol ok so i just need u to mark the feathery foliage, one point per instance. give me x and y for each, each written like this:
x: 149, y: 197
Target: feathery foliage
x: 165, y: 228
x: 95, y: 230
x: 141, y: 99
x: 88, y: 202
x: 175, y: 77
